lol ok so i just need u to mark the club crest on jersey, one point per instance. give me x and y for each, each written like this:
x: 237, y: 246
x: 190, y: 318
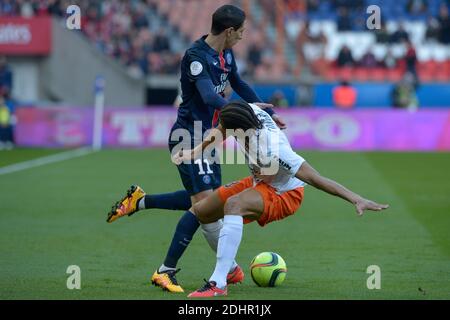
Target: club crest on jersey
x: 196, y: 68
x: 207, y: 179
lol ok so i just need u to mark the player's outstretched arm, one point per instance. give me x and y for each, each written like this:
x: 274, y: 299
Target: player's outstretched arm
x: 309, y: 175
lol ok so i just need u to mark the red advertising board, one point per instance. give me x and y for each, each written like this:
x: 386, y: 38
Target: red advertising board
x: 25, y: 36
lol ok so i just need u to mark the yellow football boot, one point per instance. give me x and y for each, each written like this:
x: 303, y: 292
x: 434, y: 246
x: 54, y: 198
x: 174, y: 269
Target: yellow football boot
x: 128, y: 205
x: 167, y: 281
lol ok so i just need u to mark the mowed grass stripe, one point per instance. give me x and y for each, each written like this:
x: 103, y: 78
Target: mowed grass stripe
x: 23, y: 154
x: 42, y: 161
x: 424, y: 184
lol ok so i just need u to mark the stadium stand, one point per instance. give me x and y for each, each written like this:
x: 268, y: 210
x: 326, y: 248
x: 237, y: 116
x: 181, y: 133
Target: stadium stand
x: 285, y: 39
x: 425, y: 24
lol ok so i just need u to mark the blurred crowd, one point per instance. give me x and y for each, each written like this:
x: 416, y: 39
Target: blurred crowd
x: 350, y: 15
x: 120, y: 29
x: 408, y: 61
x: 125, y: 31
x: 315, y: 49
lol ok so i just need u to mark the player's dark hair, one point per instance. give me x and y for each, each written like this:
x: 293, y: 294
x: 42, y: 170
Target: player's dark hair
x: 227, y: 16
x: 239, y: 115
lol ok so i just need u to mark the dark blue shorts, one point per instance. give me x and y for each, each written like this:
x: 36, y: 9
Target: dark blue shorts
x: 199, y: 176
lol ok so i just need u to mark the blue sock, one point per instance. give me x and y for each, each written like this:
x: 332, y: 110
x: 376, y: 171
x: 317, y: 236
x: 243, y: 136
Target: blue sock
x: 184, y: 232
x: 178, y: 200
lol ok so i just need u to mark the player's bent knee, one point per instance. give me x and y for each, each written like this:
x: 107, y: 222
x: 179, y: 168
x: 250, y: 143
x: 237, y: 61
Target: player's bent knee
x: 201, y: 196
x: 233, y: 205
x: 196, y: 209
x: 201, y: 212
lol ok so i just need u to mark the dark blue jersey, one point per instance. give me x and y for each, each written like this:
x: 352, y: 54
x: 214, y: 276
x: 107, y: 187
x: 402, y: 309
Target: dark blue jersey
x: 204, y: 76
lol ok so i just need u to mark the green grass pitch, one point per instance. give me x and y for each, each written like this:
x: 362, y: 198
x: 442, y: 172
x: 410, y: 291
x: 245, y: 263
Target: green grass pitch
x: 53, y: 216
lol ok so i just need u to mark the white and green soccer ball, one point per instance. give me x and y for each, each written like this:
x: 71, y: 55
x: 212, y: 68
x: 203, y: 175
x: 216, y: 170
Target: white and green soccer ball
x: 268, y: 269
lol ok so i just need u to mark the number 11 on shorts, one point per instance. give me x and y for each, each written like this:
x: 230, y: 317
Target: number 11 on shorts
x: 200, y: 167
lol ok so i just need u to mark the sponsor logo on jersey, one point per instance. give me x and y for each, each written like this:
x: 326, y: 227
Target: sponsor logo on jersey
x: 284, y: 164
x: 223, y: 83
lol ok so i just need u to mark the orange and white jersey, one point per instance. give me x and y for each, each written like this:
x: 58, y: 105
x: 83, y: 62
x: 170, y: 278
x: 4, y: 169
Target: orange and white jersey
x: 270, y: 155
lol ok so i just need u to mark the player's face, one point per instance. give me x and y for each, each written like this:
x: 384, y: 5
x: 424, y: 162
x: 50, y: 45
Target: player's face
x: 234, y: 36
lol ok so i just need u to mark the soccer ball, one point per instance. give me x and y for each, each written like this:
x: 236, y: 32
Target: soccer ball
x: 268, y: 269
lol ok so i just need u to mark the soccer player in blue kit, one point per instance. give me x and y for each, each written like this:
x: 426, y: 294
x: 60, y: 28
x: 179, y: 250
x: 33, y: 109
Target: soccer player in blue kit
x: 206, y: 68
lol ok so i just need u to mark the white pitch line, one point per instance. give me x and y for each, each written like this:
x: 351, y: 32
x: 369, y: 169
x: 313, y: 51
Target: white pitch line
x: 67, y: 155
